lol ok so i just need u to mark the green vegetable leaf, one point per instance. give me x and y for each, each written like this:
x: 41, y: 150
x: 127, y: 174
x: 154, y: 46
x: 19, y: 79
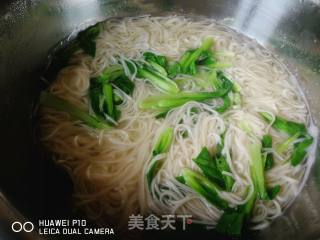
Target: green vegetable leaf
x: 108, y: 100
x: 226, y: 104
x: 174, y: 70
x: 223, y: 166
x: 267, y: 143
x: 206, y: 58
x: 257, y: 170
x: 101, y: 100
x: 295, y: 131
x: 158, y: 68
x: 217, y: 80
x: 161, y: 115
x: 87, y: 39
x: 236, y: 87
x: 96, y: 98
x: 59, y: 104
x: 180, y: 179
x: 159, y: 59
x: 157, y: 79
x: 273, y: 191
x: 153, y: 170
x: 208, y: 166
x: 300, y: 150
x: 156, y: 62
x: 111, y: 73
x: 233, y: 222
x: 117, y: 99
x: 125, y: 84
x: 213, y: 80
x: 189, y: 59
x: 204, y: 187
x: 163, y: 142
x: 284, y: 146
x: 164, y: 103
x: 223, y: 78
x: 248, y: 206
x: 162, y: 145
x: 284, y: 125
x: 184, y: 58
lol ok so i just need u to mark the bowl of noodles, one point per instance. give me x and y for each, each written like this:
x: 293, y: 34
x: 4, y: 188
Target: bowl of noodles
x: 177, y: 124
x: 176, y: 116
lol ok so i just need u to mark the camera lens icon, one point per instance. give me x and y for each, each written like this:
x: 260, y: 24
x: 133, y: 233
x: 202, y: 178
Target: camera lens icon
x: 18, y: 226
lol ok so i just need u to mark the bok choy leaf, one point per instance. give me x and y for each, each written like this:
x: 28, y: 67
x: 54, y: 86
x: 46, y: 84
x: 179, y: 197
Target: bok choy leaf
x: 59, y: 104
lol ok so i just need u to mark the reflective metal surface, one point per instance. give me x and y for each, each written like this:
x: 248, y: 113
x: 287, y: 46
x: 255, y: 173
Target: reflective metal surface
x: 30, y: 28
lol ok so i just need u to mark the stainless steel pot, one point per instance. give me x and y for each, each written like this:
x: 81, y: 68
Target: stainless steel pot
x: 35, y: 187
